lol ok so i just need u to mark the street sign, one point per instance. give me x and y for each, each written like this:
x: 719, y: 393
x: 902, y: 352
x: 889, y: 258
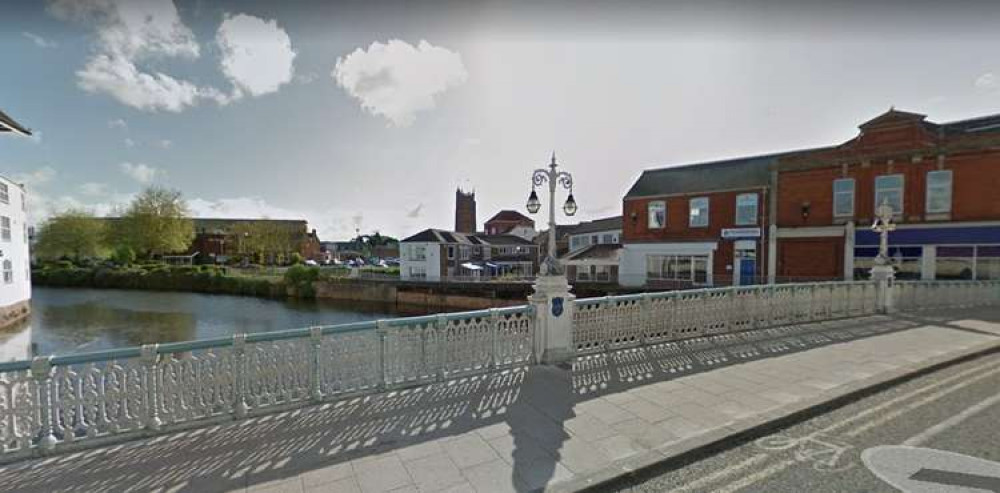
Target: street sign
x: 730, y: 233
x: 925, y: 470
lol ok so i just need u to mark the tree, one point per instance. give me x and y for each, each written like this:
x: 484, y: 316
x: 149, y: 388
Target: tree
x: 74, y: 233
x: 155, y: 223
x: 268, y: 241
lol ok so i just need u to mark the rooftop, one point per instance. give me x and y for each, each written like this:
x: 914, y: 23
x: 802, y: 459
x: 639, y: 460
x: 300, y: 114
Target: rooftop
x: 510, y: 215
x: 7, y: 124
x: 604, y: 224
x: 432, y: 235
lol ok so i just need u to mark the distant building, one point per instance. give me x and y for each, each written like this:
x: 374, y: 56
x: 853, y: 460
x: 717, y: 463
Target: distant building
x: 15, y: 263
x: 437, y: 255
x: 220, y: 239
x: 465, y: 211
x: 562, y: 240
x: 506, y: 221
x: 596, y: 232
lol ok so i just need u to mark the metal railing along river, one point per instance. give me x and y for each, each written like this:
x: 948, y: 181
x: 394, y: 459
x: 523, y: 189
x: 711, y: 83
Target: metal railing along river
x: 64, y: 402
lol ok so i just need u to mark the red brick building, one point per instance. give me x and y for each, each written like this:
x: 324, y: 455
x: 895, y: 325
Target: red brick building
x: 700, y: 224
x: 941, y: 178
x: 505, y: 221
x: 465, y: 211
x: 806, y: 215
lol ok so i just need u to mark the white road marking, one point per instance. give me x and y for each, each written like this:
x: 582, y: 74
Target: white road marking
x: 952, y: 421
x: 720, y: 474
x: 898, y: 399
x: 756, y: 477
x: 933, y: 397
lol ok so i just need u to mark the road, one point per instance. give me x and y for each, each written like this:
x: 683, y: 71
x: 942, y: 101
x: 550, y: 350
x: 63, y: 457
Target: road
x: 954, y: 409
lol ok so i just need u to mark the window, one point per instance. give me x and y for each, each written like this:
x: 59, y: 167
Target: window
x: 699, y: 212
x: 578, y: 242
x: 608, y: 238
x: 939, y: 191
x: 451, y: 252
x: 8, y: 272
x: 5, y: 228
x: 677, y: 268
x: 418, y: 252
x: 843, y: 197
x: 746, y: 209
x: 988, y: 262
x: 418, y: 272
x: 889, y: 188
x: 657, y: 211
x: 464, y: 252
x: 4, y: 193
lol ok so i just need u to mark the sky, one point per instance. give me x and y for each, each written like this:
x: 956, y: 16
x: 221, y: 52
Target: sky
x: 368, y: 115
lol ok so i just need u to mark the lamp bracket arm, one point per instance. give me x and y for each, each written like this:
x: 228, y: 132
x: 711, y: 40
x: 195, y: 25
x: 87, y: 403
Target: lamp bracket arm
x: 565, y: 179
x: 539, y: 177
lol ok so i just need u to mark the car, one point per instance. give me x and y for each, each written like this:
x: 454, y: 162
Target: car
x: 311, y: 263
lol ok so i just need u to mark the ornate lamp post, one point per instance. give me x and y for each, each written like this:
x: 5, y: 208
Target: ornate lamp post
x: 883, y: 272
x: 550, y: 265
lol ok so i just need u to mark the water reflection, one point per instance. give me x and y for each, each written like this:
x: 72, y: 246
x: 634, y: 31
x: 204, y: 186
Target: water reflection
x: 73, y: 320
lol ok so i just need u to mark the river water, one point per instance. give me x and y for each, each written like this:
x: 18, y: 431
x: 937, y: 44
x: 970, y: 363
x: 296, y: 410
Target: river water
x: 69, y: 320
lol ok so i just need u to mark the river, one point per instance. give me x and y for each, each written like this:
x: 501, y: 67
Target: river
x: 70, y: 320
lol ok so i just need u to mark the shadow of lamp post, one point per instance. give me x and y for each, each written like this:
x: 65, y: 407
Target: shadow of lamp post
x: 551, y: 299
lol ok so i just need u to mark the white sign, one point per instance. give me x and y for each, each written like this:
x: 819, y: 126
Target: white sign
x: 729, y: 233
x: 924, y: 470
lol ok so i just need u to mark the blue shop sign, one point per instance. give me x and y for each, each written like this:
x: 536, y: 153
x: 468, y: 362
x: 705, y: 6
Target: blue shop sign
x: 932, y: 236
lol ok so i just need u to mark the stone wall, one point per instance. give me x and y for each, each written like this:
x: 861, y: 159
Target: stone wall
x: 12, y: 314
x: 446, y: 296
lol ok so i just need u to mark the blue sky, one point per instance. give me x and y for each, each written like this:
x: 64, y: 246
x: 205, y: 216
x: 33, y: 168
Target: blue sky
x: 369, y: 114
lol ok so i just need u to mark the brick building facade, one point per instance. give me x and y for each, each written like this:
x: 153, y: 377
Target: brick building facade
x: 465, y: 211
x: 941, y: 178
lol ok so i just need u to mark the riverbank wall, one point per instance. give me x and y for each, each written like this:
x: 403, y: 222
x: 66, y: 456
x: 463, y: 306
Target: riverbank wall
x: 433, y: 296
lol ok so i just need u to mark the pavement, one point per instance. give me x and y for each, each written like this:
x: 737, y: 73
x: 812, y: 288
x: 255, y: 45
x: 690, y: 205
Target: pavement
x: 533, y: 428
x: 953, y: 410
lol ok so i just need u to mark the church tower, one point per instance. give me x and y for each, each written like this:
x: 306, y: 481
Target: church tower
x: 465, y: 211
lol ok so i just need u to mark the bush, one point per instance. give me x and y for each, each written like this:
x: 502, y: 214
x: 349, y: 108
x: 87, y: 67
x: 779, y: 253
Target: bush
x: 123, y: 255
x: 296, y: 258
x: 301, y: 278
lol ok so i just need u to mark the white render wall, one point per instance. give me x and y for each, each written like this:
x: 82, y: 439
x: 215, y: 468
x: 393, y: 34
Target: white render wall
x: 431, y: 263
x: 15, y: 250
x: 632, y: 270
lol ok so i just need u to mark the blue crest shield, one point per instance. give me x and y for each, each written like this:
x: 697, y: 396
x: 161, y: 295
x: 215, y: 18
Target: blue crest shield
x: 557, y: 307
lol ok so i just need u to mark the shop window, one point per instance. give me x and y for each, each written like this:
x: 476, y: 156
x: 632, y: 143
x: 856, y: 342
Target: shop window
x: 657, y: 212
x: 938, y: 191
x: 955, y: 262
x: 988, y: 262
x: 907, y: 261
x: 843, y: 197
x: 677, y: 268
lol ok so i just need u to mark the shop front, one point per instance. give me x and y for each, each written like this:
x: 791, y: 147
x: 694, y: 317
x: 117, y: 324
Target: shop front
x: 946, y: 251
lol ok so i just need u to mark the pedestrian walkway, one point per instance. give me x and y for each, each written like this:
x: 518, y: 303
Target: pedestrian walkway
x: 529, y: 428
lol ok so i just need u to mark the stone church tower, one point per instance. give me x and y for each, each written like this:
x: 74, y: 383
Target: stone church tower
x: 465, y: 211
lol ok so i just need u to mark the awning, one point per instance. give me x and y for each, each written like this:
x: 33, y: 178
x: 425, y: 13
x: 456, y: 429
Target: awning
x: 471, y: 266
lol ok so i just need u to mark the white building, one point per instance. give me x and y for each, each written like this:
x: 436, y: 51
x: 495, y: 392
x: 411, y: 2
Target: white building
x: 15, y: 263
x: 437, y: 255
x: 15, y: 267
x: 605, y: 231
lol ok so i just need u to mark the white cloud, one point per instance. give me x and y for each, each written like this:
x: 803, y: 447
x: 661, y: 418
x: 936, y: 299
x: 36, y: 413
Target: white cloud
x: 987, y: 81
x: 257, y: 55
x: 39, y: 41
x: 141, y: 173
x: 117, y: 123
x: 94, y: 189
x: 396, y: 80
x: 129, y: 142
x: 35, y: 178
x: 121, y: 78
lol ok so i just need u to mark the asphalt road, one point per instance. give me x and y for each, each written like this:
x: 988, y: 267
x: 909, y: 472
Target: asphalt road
x: 955, y: 409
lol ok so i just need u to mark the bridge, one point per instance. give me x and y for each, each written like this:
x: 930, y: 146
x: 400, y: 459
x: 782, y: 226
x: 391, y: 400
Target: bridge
x: 556, y: 394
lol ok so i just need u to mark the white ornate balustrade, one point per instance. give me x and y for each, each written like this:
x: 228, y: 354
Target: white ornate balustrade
x: 64, y: 402
x: 612, y: 322
x: 916, y: 295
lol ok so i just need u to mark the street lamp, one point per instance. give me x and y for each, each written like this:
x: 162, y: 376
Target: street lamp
x: 540, y: 176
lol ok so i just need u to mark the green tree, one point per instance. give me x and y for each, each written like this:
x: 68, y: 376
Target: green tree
x: 155, y: 223
x: 74, y: 233
x: 266, y: 240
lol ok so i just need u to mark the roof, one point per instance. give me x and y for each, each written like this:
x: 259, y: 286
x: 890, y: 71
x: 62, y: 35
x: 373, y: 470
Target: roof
x: 606, y: 251
x: 441, y: 236
x: 509, y: 215
x: 7, y: 124
x: 605, y: 224
x: 990, y: 123
x: 729, y: 174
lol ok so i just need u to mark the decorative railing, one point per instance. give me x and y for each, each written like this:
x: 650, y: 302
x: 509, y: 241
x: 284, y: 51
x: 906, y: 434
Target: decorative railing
x: 915, y: 295
x: 61, y: 401
x: 612, y: 322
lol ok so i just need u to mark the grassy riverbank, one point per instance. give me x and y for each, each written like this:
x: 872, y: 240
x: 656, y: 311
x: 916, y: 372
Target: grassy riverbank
x: 159, y: 277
